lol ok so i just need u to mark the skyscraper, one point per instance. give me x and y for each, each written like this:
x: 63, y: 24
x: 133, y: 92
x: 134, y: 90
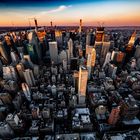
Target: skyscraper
x: 73, y: 63
x: 65, y: 64
x: 107, y: 59
x: 31, y: 52
x: 29, y: 77
x: 99, y: 40
x: 70, y: 47
x: 14, y: 56
x: 131, y: 42
x: 90, y: 38
x: 3, y: 54
x: 33, y: 39
x: 62, y: 56
x: 53, y: 51
x: 80, y: 26
x: 93, y: 57
x: 104, y: 51
x: 26, y: 91
x: 90, y: 50
x: 82, y: 85
x: 20, y: 69
x: 89, y: 64
x: 36, y: 26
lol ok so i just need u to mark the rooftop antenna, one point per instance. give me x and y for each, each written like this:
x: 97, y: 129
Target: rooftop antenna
x: 51, y: 23
x: 102, y: 25
x: 29, y: 23
x: 99, y: 24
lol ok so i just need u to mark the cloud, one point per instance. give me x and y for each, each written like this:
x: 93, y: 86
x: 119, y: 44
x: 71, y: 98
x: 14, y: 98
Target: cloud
x: 58, y: 9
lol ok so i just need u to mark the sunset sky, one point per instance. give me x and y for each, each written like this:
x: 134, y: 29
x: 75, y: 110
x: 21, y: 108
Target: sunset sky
x: 69, y: 12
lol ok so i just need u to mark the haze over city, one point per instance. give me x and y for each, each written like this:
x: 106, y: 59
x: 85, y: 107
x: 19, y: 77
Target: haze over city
x: 68, y: 12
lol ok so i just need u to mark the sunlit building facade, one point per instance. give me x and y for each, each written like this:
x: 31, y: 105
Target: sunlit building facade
x: 82, y: 85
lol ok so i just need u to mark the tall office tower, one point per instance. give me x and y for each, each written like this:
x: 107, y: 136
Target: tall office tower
x: 42, y: 36
x: 36, y: 71
x: 20, y: 70
x: 9, y: 73
x: 80, y: 26
x: 27, y: 61
x: 93, y: 57
x: 68, y: 56
x: 76, y: 80
x: 33, y: 39
x: 73, y: 63
x: 90, y: 50
x: 26, y: 91
x: 114, y: 116
x: 90, y: 38
x: 53, y: 51
x: 31, y: 52
x: 80, y: 50
x: 62, y: 56
x: 14, y: 57
x: 129, y: 108
x: 104, y: 51
x: 118, y: 57
x: 99, y: 40
x: 8, y: 40
x: 54, y: 90
x: 89, y: 65
x: 137, y: 52
x: 65, y: 64
x: 29, y: 77
x: 107, y: 59
x: 112, y: 69
x: 58, y: 38
x: 51, y: 23
x: 3, y: 54
x: 131, y: 42
x: 36, y: 26
x: 20, y: 51
x: 70, y: 48
x: 82, y: 85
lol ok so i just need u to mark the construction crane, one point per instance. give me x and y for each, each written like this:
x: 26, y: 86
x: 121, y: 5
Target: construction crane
x: 35, y: 20
x: 100, y: 24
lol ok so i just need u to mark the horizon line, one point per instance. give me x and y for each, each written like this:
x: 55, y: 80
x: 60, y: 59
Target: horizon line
x: 72, y: 26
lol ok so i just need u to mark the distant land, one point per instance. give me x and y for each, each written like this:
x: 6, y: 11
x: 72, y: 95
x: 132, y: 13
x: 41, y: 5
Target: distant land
x: 4, y: 29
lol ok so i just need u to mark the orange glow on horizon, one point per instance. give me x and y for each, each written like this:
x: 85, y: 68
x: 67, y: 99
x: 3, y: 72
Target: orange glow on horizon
x: 114, y: 18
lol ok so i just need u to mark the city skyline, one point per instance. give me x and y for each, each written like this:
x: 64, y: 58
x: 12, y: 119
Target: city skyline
x: 69, y: 12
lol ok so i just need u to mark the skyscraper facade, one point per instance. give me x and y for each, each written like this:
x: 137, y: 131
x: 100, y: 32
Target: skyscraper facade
x: 83, y: 77
x: 53, y: 51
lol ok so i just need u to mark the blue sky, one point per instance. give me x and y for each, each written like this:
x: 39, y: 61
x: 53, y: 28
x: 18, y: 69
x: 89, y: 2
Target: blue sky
x: 51, y: 3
